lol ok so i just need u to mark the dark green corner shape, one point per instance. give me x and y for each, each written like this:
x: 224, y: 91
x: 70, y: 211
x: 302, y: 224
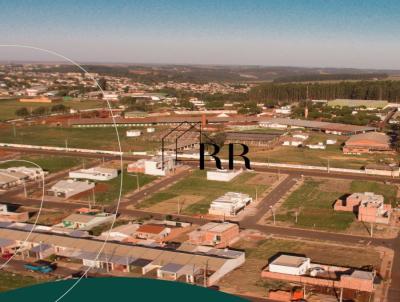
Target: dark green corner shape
x: 117, y: 289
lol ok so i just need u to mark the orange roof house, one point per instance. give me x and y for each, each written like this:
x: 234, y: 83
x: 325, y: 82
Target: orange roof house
x: 153, y: 232
x: 215, y: 234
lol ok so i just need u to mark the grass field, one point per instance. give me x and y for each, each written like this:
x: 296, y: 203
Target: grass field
x: 47, y: 162
x: 198, y: 185
x: 110, y: 191
x: 86, y: 138
x: 247, y: 278
x: 313, y: 202
x: 9, y: 281
x: 332, y: 155
x: 8, y: 107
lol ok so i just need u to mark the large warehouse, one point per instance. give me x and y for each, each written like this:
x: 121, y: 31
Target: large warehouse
x: 367, y: 143
x: 333, y: 128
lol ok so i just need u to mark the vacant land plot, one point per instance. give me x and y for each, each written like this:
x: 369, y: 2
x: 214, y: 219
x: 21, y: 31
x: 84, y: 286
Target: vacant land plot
x: 108, y: 192
x: 8, y: 107
x: 313, y: 203
x: 246, y: 279
x: 47, y: 162
x: 86, y: 138
x: 9, y: 281
x: 197, y: 185
x: 332, y: 155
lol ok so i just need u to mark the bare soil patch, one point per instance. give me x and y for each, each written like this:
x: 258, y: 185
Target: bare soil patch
x: 263, y: 179
x: 335, y: 185
x: 171, y: 205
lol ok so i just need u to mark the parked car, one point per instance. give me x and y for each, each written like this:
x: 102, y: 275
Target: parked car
x: 40, y: 266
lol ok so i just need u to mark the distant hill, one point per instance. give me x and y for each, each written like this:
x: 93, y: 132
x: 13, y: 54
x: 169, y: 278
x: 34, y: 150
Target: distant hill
x: 234, y: 74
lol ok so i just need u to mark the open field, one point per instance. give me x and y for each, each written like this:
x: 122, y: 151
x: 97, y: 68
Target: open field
x: 313, y: 202
x: 198, y: 186
x: 332, y: 155
x: 86, y: 138
x: 9, y: 281
x: 246, y: 279
x: 8, y: 107
x: 47, y: 162
x: 108, y: 192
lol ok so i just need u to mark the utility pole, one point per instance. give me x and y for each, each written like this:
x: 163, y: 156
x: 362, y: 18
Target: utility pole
x: 296, y: 214
x: 273, y: 213
x: 25, y: 192
x: 372, y: 229
x: 94, y: 197
x: 66, y: 145
x: 256, y: 194
x: 328, y: 165
x: 205, y: 274
x: 341, y: 295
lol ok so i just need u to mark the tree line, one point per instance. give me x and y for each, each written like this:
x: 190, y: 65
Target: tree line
x: 274, y: 93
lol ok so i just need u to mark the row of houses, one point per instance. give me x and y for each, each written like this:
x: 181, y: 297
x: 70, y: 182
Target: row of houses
x: 189, y: 263
x: 14, y: 176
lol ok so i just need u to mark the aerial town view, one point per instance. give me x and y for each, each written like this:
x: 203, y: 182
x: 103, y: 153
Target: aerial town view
x: 249, y: 148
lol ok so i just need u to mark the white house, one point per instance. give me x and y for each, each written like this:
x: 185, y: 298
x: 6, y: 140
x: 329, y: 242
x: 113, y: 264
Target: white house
x: 223, y: 175
x: 229, y: 204
x: 133, y: 133
x: 331, y: 141
x: 293, y: 142
x: 150, y: 130
x: 96, y: 173
x: 110, y: 96
x: 284, y: 110
x: 86, y: 221
x: 290, y: 265
x: 154, y: 165
x: 320, y: 146
x: 300, y: 135
x: 33, y: 173
x: 68, y: 188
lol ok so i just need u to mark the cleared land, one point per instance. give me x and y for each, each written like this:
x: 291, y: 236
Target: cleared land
x: 313, y: 202
x: 86, y: 138
x: 198, y: 186
x: 47, y: 162
x: 108, y: 192
x: 332, y: 155
x: 247, y: 280
x: 8, y: 107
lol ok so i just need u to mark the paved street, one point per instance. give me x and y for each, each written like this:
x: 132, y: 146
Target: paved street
x: 250, y: 222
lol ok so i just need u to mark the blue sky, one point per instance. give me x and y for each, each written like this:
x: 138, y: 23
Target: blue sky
x: 297, y: 33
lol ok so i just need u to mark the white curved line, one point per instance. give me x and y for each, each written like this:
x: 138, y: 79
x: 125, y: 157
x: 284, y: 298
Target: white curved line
x: 119, y: 146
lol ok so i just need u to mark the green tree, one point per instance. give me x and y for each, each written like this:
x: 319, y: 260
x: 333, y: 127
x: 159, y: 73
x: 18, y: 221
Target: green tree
x: 22, y: 112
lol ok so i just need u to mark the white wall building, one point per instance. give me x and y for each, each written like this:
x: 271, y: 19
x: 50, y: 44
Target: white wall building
x: 229, y: 204
x: 290, y: 265
x: 68, y: 188
x: 110, y: 96
x: 96, y: 173
x: 154, y: 166
x: 133, y: 133
x: 223, y: 175
x: 33, y: 173
x: 320, y: 146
